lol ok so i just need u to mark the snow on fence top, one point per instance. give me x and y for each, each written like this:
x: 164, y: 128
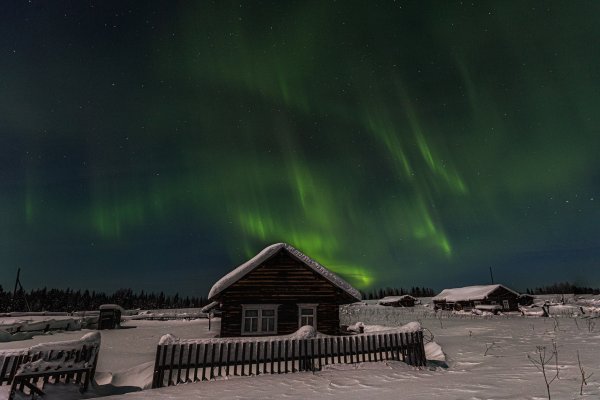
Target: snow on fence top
x: 468, y: 293
x: 265, y: 254
x: 89, y: 339
x: 305, y: 332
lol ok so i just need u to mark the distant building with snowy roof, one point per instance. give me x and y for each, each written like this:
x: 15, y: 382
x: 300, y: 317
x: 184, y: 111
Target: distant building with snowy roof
x: 278, y: 291
x: 398, y: 301
x: 469, y: 297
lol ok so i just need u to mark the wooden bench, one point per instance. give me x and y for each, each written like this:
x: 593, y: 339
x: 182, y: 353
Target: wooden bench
x: 27, y: 371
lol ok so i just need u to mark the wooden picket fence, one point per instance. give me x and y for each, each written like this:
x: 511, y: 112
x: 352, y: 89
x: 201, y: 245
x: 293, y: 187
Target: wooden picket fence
x: 76, y: 366
x: 214, y: 358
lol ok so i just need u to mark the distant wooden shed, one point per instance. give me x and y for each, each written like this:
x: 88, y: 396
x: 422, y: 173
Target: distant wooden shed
x: 469, y: 297
x: 525, y: 300
x: 278, y: 291
x: 398, y: 301
x: 110, y: 316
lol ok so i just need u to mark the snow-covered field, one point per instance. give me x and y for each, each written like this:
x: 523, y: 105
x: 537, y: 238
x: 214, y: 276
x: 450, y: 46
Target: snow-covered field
x: 487, y: 359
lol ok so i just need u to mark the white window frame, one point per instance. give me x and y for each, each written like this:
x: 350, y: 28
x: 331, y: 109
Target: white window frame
x: 259, y: 308
x: 506, y: 304
x: 312, y: 306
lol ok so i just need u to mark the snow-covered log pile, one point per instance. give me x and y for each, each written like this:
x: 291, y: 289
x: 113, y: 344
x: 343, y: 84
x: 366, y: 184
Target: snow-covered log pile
x: 12, y: 329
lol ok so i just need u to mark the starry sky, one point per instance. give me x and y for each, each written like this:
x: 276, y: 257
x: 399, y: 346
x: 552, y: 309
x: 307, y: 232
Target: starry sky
x: 156, y: 145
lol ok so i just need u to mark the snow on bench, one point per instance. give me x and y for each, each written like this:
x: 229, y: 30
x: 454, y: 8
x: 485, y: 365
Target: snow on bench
x: 190, y: 360
x: 28, y: 370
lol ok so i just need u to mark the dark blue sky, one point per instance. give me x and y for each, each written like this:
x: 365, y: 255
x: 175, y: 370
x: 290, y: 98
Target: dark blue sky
x: 157, y: 145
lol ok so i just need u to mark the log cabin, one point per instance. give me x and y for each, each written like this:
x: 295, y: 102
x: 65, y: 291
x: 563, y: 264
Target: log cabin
x: 483, y: 297
x: 278, y: 291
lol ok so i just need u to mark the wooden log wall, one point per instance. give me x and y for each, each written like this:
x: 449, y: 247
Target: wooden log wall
x: 192, y: 362
x: 286, y: 281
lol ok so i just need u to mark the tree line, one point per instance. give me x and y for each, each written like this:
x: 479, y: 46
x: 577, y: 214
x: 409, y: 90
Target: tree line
x: 68, y: 300
x: 563, y: 288
x: 383, y: 292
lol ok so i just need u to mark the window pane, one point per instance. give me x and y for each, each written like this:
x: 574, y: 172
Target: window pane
x: 268, y: 313
x: 251, y: 313
x: 246, y: 324
x: 254, y: 324
x: 271, y: 324
x: 307, y: 311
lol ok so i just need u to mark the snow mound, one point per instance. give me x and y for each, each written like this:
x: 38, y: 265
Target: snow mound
x: 167, y: 339
x: 305, y: 332
x: 410, y: 327
x: 8, y: 337
x: 434, y: 352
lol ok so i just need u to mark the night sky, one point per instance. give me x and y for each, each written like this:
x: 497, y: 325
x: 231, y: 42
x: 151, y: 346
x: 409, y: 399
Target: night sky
x: 157, y: 145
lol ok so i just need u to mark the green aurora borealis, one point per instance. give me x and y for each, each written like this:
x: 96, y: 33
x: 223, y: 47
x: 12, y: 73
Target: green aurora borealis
x: 156, y: 145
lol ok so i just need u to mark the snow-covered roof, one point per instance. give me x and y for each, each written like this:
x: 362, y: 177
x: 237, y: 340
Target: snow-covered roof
x: 111, y: 307
x: 394, y: 299
x: 469, y: 293
x: 267, y: 253
x: 207, y: 308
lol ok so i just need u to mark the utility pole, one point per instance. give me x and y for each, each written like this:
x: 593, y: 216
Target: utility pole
x: 492, y: 275
x: 19, y: 286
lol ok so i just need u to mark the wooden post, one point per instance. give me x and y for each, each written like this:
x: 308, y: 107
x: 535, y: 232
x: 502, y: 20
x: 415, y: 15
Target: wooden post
x: 243, y: 358
x: 204, y: 351
x: 196, y: 362
x: 285, y: 357
x: 272, y: 355
x: 172, y: 348
x: 294, y: 355
x: 279, y: 344
x: 189, y: 362
x: 155, y: 377
x: 258, y: 358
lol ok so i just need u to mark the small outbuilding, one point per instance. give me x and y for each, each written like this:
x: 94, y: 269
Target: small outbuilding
x: 467, y: 298
x: 525, y: 300
x: 110, y: 316
x: 398, y: 301
x: 278, y: 291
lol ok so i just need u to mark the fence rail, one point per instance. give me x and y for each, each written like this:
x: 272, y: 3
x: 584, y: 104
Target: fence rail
x: 206, y: 360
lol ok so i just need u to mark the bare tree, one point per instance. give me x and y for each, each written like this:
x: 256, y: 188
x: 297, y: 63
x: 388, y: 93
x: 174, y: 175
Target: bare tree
x: 540, y: 360
x: 584, y: 377
x: 488, y: 347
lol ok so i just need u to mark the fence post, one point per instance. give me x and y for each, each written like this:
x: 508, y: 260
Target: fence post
x: 197, y: 357
x: 258, y: 358
x: 155, y: 377
x: 285, y: 357
x: 189, y: 361
x: 235, y: 358
x: 204, y: 347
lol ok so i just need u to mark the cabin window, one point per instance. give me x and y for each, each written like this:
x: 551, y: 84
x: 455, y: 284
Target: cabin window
x: 505, y: 304
x: 259, y: 319
x: 307, y: 315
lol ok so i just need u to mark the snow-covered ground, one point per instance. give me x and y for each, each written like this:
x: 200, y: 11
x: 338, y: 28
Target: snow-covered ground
x: 486, y: 356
